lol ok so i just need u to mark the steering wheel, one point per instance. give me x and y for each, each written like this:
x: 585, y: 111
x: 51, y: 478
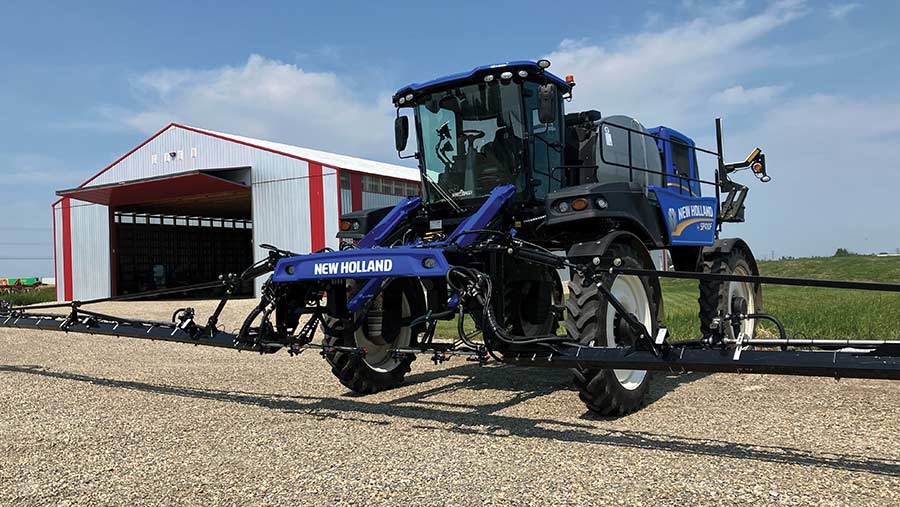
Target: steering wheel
x: 472, y: 134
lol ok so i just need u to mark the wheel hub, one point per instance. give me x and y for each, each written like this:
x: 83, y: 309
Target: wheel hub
x: 631, y: 293
x: 625, y: 334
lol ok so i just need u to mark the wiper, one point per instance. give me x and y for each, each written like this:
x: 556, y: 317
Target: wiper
x: 443, y: 193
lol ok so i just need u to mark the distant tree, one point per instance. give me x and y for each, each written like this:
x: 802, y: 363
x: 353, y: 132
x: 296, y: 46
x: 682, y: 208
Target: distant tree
x: 843, y: 252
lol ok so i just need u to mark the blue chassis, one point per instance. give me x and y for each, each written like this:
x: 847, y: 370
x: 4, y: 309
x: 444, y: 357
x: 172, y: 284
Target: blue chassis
x: 375, y: 262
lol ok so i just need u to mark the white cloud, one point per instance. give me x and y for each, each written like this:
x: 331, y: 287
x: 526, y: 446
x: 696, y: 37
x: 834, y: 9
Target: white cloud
x: 669, y: 75
x: 840, y: 11
x: 268, y: 99
x: 738, y: 95
x: 835, y: 163
x: 833, y: 158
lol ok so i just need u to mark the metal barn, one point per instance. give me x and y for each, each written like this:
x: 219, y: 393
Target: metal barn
x: 188, y: 204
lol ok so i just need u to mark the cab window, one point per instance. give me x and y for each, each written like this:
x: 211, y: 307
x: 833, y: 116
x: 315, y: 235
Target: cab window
x: 681, y: 160
x: 544, y: 146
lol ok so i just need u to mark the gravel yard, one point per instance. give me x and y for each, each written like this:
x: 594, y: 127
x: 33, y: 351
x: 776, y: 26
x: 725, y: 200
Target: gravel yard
x: 106, y: 421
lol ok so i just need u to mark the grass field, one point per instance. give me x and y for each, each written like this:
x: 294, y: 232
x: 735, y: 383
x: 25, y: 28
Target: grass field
x: 809, y: 312
x: 29, y: 297
x: 805, y: 312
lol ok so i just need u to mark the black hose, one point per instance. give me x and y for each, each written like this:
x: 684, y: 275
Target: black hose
x: 479, y: 285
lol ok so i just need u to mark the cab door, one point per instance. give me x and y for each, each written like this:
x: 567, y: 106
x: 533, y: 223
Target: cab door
x: 679, y: 161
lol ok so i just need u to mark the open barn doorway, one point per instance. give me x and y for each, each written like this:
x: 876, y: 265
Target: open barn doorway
x: 183, y: 232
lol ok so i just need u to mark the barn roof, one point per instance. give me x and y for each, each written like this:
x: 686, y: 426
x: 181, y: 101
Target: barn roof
x: 321, y: 157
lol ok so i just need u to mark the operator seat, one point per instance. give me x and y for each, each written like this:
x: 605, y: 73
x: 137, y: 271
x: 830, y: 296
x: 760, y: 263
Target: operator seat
x: 501, y: 159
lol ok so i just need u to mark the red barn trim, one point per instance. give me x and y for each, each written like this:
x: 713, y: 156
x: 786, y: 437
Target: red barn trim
x: 316, y: 207
x: 55, y: 274
x: 67, y: 248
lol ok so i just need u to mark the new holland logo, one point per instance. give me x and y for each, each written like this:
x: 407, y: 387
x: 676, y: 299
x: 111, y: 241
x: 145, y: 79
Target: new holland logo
x: 353, y: 267
x: 685, y: 216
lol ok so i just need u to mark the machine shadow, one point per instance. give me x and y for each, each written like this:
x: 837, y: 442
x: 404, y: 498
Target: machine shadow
x: 485, y: 419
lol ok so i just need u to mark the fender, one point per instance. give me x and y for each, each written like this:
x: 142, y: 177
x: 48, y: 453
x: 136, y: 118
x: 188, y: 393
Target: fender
x: 587, y: 250
x: 726, y: 245
x: 584, y: 252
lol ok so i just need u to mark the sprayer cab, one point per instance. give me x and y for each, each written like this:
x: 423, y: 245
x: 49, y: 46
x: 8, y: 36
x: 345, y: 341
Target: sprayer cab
x: 494, y: 125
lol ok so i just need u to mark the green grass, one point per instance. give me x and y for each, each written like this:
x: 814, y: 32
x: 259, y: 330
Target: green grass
x: 29, y: 297
x: 805, y: 312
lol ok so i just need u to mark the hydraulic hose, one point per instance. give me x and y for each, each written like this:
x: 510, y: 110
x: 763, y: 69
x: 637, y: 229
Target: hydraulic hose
x: 477, y: 285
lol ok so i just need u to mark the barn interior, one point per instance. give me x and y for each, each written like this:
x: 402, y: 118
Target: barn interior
x: 177, y: 230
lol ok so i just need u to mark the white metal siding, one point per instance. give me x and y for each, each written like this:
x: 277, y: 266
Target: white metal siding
x: 58, y: 251
x: 90, y: 250
x: 373, y: 200
x: 369, y: 200
x: 346, y: 200
x: 280, y: 205
x: 211, y: 152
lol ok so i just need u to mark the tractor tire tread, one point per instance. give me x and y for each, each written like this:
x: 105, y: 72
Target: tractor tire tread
x: 355, y: 374
x: 599, y: 389
x: 712, y: 293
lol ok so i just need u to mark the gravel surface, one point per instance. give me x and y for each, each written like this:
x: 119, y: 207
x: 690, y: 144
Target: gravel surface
x: 107, y: 421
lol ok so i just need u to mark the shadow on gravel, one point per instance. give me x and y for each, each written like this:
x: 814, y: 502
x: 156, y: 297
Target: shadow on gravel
x: 484, y: 419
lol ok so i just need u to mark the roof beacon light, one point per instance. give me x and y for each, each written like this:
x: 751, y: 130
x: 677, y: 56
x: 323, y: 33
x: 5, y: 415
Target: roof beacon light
x: 543, y: 63
x: 570, y: 79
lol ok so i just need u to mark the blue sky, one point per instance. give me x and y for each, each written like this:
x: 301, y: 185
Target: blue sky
x: 813, y: 83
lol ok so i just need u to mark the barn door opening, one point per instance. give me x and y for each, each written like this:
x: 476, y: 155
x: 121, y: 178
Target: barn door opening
x: 156, y: 251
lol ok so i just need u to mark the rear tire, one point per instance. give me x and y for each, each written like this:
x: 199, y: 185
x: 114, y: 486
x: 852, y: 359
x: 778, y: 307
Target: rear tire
x: 379, y: 369
x: 717, y: 298
x: 590, y: 319
x: 530, y: 306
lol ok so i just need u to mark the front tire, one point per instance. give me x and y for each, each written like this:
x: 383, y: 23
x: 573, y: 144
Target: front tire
x: 381, y: 332
x: 591, y: 320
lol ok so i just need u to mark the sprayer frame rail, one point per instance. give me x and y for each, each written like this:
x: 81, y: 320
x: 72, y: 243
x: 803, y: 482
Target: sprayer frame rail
x: 880, y: 361
x: 837, y: 364
x: 872, y: 359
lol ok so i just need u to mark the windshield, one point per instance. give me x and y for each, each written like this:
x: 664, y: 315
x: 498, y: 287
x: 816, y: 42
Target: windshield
x: 472, y: 138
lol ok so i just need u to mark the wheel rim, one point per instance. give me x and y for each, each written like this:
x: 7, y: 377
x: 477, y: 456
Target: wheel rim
x: 743, y: 290
x: 631, y: 292
x: 379, y: 356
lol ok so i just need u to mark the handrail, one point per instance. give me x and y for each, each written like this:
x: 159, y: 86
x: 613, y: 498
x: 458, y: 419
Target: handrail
x: 631, y: 167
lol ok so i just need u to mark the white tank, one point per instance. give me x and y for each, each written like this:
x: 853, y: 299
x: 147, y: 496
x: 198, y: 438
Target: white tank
x: 613, y: 146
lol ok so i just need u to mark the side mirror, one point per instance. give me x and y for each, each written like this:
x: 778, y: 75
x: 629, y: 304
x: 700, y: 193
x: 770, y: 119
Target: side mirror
x: 401, y: 132
x: 547, y: 103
